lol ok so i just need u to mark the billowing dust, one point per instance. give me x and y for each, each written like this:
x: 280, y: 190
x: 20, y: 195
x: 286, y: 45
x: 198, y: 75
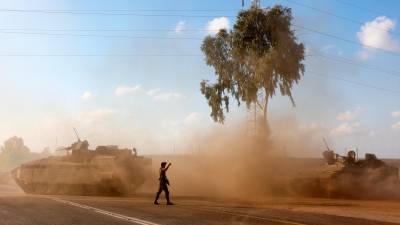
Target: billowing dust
x: 230, y: 164
x: 233, y: 164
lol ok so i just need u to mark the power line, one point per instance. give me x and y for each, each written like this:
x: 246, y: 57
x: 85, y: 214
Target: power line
x: 335, y: 58
x: 349, y: 61
x: 101, y: 35
x: 359, y: 7
x: 331, y: 57
x: 353, y: 82
x: 100, y: 30
x: 344, y: 39
x: 299, y: 26
x: 190, y: 55
x: 339, y: 16
x: 104, y: 13
x: 13, y: 29
x: 192, y: 38
x: 100, y: 55
x: 113, y: 10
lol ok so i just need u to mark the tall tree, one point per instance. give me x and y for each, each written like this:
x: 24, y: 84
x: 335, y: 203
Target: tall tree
x: 258, y: 56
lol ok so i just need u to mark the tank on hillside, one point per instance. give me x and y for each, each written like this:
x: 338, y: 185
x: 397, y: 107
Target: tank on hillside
x: 107, y: 170
x: 345, y: 176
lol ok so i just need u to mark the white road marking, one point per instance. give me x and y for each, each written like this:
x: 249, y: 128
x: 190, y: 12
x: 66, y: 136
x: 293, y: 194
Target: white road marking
x: 104, y: 212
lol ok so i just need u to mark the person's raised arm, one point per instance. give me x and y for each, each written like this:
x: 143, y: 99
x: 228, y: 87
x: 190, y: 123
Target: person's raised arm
x: 166, y: 168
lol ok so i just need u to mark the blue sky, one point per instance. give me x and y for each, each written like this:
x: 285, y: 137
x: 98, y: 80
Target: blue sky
x: 151, y: 99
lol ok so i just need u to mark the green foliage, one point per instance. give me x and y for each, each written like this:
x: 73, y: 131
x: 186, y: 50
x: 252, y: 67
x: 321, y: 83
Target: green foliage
x: 259, y: 55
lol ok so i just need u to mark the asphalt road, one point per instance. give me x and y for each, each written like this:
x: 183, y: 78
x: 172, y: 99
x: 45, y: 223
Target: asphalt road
x: 18, y: 209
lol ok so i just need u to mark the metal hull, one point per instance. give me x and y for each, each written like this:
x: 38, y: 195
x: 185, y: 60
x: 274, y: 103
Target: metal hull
x: 53, y: 176
x: 105, y: 188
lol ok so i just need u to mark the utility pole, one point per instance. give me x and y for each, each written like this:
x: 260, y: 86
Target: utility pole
x: 357, y: 152
x: 255, y: 119
x: 255, y: 3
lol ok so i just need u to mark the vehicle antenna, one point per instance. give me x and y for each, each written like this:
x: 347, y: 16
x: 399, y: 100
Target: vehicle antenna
x: 76, y: 133
x: 326, y: 144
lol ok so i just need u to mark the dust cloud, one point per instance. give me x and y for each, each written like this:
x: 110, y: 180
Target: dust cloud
x: 231, y: 163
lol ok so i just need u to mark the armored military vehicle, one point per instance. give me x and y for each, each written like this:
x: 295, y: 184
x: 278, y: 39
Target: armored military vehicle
x: 347, y: 176
x: 107, y: 170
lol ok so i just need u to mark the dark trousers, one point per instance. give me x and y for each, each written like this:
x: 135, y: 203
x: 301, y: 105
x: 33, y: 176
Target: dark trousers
x: 163, y: 187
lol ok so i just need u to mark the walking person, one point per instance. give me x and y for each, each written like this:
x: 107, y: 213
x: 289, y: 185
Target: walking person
x: 163, y: 183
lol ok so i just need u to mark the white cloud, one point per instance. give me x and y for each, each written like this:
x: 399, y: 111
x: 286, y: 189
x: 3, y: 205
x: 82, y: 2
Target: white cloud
x: 395, y: 114
x: 124, y: 89
x: 345, y: 129
x: 87, y: 95
x: 159, y: 95
x: 180, y: 26
x: 396, y: 126
x: 376, y: 34
x: 153, y: 92
x: 349, y: 115
x: 167, y: 96
x: 216, y: 24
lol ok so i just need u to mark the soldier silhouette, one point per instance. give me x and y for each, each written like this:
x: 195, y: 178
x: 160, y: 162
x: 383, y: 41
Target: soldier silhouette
x: 163, y: 183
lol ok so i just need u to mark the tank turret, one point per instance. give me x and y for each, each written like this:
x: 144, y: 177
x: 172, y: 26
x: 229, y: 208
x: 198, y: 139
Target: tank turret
x: 347, y: 176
